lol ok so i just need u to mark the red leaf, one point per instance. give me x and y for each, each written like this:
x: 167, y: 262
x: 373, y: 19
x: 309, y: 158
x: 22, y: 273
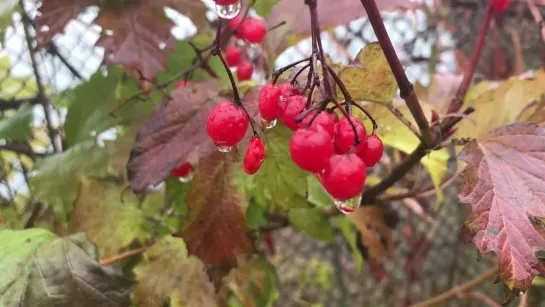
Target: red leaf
x: 505, y: 185
x: 175, y: 133
x: 55, y: 15
x: 216, y: 230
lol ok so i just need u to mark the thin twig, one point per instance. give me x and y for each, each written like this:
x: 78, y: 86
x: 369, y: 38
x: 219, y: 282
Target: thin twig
x: 403, y: 119
x: 537, y: 17
x: 124, y: 255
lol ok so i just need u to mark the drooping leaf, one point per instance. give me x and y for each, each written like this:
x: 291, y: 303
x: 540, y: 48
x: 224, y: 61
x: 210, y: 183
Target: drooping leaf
x: 279, y: 184
x: 370, y: 77
x: 216, y: 230
x: 100, y: 203
x: 253, y: 283
x: 175, y: 133
x: 350, y: 234
x: 312, y: 221
x: 39, y: 269
x: 504, y: 185
x: 374, y: 233
x: 17, y: 126
x: 167, y: 272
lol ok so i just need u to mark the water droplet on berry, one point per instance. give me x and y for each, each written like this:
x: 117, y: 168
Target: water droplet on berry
x: 348, y: 206
x: 222, y: 148
x: 268, y: 124
x: 186, y: 178
x: 228, y: 11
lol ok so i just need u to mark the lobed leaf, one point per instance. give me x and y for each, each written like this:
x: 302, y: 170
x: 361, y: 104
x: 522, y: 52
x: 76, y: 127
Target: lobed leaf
x: 504, y: 184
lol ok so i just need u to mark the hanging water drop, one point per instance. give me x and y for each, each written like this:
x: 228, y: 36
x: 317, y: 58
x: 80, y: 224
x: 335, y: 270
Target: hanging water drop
x: 347, y: 206
x: 186, y: 178
x: 228, y: 11
x: 224, y: 148
x: 268, y: 124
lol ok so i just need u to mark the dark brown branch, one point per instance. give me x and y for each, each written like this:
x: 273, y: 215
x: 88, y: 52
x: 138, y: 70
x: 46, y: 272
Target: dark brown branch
x: 405, y: 87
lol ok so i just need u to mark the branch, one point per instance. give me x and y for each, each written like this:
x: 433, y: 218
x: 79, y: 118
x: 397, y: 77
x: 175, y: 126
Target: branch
x: 124, y: 255
x: 405, y: 87
x: 460, y: 289
x: 537, y: 17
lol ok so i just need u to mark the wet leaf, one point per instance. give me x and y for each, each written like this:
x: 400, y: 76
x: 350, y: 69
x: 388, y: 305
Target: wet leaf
x: 40, y: 270
x: 100, y: 203
x: 17, y: 126
x: 370, y: 77
x: 175, y: 133
x: 216, y: 230
x: 374, y: 233
x: 504, y: 184
x: 312, y: 221
x: 167, y: 273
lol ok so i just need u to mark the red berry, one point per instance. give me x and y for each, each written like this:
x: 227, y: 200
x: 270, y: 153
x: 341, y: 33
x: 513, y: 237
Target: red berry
x: 254, y: 157
x: 500, y: 5
x: 226, y: 124
x: 311, y: 150
x: 234, y: 26
x: 245, y: 71
x: 287, y: 89
x: 268, y: 102
x: 344, y: 176
x: 344, y: 135
x: 182, y: 171
x: 373, y: 152
x: 322, y: 121
x: 292, y: 109
x: 225, y: 2
x: 182, y: 84
x: 334, y: 116
x: 253, y: 30
x: 233, y: 56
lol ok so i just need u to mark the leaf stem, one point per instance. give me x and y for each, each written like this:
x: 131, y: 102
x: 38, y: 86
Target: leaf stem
x: 280, y: 71
x: 405, y: 87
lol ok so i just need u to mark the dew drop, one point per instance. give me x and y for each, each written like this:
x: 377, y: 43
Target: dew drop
x: 224, y: 148
x: 228, y: 11
x: 108, y: 32
x: 162, y: 45
x: 268, y: 124
x: 348, y: 206
x: 44, y: 28
x: 187, y: 178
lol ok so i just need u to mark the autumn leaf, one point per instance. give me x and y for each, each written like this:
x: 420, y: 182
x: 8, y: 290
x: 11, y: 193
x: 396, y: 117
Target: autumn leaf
x: 39, y: 269
x: 370, y: 78
x: 216, y: 230
x: 168, y: 273
x: 175, y: 133
x: 374, y: 233
x: 504, y: 184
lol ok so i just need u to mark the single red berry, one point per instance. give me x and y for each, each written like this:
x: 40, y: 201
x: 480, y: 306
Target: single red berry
x: 322, y: 121
x: 500, y: 5
x: 311, y: 150
x: 268, y: 102
x: 334, y: 116
x: 225, y: 2
x: 183, y: 170
x: 344, y: 135
x: 254, y: 157
x: 253, y: 30
x: 182, y: 84
x: 344, y: 176
x: 233, y: 56
x: 226, y: 124
x: 373, y: 152
x: 292, y: 109
x: 434, y: 116
x: 234, y: 26
x: 245, y: 71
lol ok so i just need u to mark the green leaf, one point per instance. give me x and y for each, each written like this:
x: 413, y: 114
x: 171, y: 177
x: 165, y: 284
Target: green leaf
x: 15, y: 87
x: 279, y: 184
x: 17, y: 126
x: 176, y: 192
x: 7, y: 8
x: 370, y: 78
x: 255, y: 216
x: 40, y: 270
x: 100, y: 203
x: 168, y: 272
x: 313, y: 222
x: 316, y: 193
x: 263, y: 7
x: 347, y: 229
x: 89, y: 113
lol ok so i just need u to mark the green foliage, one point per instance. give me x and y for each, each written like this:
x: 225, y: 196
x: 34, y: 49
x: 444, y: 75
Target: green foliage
x: 255, y: 215
x: 350, y: 234
x: 312, y: 221
x: 263, y: 7
x: 39, y: 269
x: 17, y: 127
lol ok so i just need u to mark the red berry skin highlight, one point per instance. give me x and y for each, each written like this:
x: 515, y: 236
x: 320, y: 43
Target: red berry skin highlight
x: 254, y: 157
x: 344, y: 135
x: 344, y: 176
x: 253, y: 30
x: 374, y: 151
x: 268, y: 102
x: 245, y: 71
x: 293, y: 107
x: 233, y: 56
x: 182, y: 171
x: 322, y: 121
x: 226, y: 124
x: 311, y: 150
